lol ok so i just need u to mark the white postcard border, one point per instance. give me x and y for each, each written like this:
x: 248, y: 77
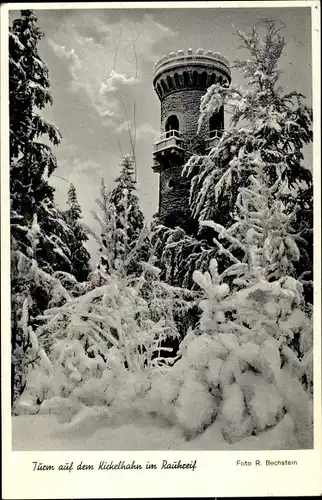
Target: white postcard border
x: 217, y: 473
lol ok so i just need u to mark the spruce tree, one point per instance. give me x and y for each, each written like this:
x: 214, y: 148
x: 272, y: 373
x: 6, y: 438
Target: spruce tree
x: 262, y: 115
x: 39, y: 233
x: 32, y: 161
x: 80, y: 256
x: 123, y: 240
x: 129, y: 217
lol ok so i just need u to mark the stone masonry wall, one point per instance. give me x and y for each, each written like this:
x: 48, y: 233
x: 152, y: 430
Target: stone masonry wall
x: 185, y: 105
x: 174, y: 200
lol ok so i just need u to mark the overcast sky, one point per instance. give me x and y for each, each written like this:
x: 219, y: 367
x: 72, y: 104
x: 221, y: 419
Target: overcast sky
x: 101, y: 62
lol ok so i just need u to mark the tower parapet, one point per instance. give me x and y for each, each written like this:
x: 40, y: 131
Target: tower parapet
x: 198, y: 70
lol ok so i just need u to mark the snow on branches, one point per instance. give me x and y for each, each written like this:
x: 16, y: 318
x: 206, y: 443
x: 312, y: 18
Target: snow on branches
x: 262, y: 231
x: 249, y: 362
x: 262, y: 118
x: 255, y: 354
x: 32, y: 289
x: 123, y: 241
x: 104, y: 340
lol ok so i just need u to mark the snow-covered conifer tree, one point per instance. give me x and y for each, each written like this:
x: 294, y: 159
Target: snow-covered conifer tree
x: 123, y: 241
x: 39, y: 233
x: 81, y: 257
x: 30, y: 160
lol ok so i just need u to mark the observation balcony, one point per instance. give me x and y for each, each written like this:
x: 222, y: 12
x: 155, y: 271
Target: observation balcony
x: 213, y: 139
x: 167, y: 148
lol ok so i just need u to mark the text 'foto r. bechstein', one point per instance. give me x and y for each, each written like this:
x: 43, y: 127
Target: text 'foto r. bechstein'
x: 268, y: 463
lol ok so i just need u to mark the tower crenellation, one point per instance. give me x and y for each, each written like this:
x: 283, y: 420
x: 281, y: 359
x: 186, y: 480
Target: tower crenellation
x: 200, y: 69
x: 214, y: 56
x: 180, y: 79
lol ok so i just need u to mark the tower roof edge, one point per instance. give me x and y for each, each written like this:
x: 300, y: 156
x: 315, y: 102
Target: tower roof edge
x: 182, y: 58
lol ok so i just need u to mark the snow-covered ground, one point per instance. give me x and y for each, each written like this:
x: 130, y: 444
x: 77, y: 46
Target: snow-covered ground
x: 93, y: 429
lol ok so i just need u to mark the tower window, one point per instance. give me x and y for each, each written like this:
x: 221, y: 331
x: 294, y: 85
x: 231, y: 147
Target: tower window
x: 203, y: 79
x: 172, y: 123
x: 212, y: 79
x: 213, y: 121
x: 216, y: 122
x: 177, y: 80
x: 171, y: 184
x: 170, y: 83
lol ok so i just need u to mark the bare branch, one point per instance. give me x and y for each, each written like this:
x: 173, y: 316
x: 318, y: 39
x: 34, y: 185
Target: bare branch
x: 120, y: 147
x: 134, y: 104
x: 134, y: 141
x: 117, y: 48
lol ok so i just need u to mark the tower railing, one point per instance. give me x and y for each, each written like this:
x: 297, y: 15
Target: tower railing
x: 213, y: 139
x: 169, y: 139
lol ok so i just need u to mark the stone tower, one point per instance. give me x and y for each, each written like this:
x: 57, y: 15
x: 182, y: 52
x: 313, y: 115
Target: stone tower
x: 180, y: 80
